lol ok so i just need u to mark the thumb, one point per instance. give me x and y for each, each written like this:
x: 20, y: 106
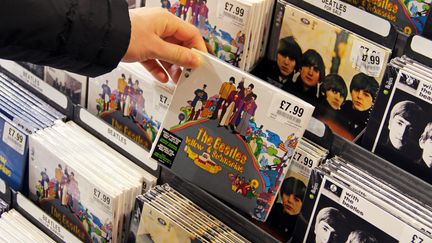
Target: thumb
x: 176, y: 54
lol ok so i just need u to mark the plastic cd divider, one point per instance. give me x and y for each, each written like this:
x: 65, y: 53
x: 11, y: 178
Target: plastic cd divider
x: 212, y: 205
x: 41, y: 220
x: 383, y: 32
x: 420, y: 49
x: 115, y: 140
x: 38, y: 87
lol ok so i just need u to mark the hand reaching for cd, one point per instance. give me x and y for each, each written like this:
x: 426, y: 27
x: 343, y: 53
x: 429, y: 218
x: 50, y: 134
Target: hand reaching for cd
x: 157, y: 34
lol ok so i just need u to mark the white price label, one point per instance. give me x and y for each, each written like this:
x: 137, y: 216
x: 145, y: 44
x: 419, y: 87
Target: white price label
x: 162, y: 100
x: 14, y: 138
x: 303, y: 159
x: 366, y: 58
x: 286, y: 111
x: 104, y: 199
x: 233, y: 12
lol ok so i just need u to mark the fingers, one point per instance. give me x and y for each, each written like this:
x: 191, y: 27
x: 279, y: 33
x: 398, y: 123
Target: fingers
x: 156, y: 70
x: 175, y: 54
x: 174, y: 71
x: 185, y: 32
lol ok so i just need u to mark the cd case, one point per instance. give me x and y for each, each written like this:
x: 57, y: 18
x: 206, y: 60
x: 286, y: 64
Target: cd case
x: 232, y: 134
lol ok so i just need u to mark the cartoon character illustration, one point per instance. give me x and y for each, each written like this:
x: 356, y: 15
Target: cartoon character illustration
x: 289, y: 146
x: 210, y: 106
x: 166, y: 4
x: 239, y: 184
x: 203, y: 161
x: 261, y: 209
x: 62, y: 186
x: 200, y: 96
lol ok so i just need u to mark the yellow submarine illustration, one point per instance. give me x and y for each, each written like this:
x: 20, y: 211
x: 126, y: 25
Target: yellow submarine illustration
x: 203, y: 161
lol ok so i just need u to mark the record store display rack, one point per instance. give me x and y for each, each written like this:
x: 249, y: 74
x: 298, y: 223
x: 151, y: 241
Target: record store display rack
x: 308, y: 121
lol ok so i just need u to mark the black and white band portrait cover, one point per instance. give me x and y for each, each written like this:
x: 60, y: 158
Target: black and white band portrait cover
x: 403, y: 136
x: 338, y: 214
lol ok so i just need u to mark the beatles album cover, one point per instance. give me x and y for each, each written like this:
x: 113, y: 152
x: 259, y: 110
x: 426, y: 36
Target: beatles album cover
x: 70, y: 84
x: 330, y: 67
x: 68, y: 197
x: 403, y: 136
x: 409, y: 16
x: 225, y: 26
x: 286, y: 209
x: 156, y: 227
x: 232, y: 134
x: 37, y: 70
x: 133, y: 103
x: 339, y: 214
x: 13, y: 153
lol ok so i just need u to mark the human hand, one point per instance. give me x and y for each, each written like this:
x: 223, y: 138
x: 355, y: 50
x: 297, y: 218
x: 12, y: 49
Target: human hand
x: 161, y: 42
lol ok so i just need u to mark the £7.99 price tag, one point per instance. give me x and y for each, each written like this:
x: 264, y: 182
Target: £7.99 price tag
x: 233, y: 12
x: 103, y: 198
x: 14, y: 138
x: 367, y: 58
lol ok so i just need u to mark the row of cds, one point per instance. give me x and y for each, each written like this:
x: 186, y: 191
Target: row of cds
x: 78, y: 179
x: 3, y: 206
x: 15, y: 228
x: 285, y: 212
x: 132, y: 101
x: 21, y: 114
x: 235, y: 32
x: 164, y: 215
x: 347, y: 204
x: 234, y: 135
x: 339, y: 75
x: 400, y: 127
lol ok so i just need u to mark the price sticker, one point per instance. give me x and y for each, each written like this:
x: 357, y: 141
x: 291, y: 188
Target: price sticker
x: 14, y: 138
x: 103, y: 198
x: 287, y: 111
x: 367, y: 58
x: 233, y: 12
x: 303, y: 159
x: 409, y: 234
x: 162, y: 100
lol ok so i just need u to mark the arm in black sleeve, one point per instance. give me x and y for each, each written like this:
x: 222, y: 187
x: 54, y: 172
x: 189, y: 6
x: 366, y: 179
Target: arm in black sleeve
x: 88, y: 37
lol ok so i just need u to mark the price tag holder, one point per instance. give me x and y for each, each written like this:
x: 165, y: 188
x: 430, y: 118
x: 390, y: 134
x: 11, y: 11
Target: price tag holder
x: 233, y: 12
x: 14, y: 138
x: 367, y: 58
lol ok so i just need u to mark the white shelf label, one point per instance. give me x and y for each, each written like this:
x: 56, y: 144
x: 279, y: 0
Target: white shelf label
x: 45, y: 219
x: 37, y: 83
x: 354, y: 15
x: 117, y: 138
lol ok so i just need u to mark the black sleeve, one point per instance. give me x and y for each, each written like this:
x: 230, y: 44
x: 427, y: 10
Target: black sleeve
x: 88, y: 37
